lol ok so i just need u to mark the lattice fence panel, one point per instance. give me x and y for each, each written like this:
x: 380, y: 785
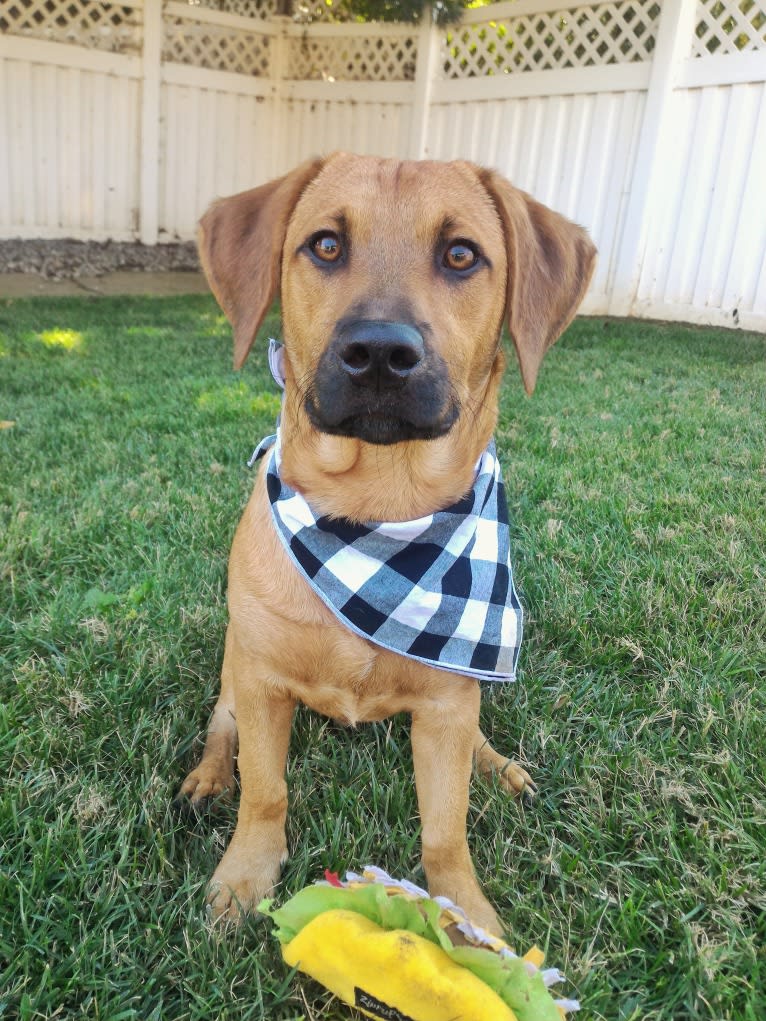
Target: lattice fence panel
x: 99, y: 25
x: 354, y: 58
x: 306, y: 11
x: 606, y: 33
x: 245, y: 8
x: 217, y: 47
x: 729, y: 26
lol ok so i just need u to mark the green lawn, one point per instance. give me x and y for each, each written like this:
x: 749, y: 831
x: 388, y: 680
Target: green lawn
x: 637, y: 486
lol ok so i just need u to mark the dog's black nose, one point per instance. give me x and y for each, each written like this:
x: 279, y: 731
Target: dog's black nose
x: 380, y: 354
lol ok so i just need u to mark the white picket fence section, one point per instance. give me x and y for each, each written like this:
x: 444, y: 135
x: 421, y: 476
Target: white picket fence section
x: 645, y: 120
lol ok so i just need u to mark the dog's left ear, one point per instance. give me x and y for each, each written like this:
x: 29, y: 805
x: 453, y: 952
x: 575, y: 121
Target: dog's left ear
x: 550, y: 263
x: 240, y: 244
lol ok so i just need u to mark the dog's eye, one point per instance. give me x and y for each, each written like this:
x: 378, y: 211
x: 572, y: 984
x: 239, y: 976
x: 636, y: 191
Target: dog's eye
x: 460, y: 256
x: 326, y: 246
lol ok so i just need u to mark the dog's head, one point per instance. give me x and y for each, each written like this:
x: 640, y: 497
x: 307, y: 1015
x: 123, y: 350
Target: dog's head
x: 395, y: 279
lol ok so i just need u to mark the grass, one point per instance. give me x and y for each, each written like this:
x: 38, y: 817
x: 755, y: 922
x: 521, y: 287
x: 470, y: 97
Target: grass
x: 637, y: 487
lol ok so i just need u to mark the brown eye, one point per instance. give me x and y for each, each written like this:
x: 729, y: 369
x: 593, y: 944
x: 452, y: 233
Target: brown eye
x: 326, y: 247
x: 460, y: 256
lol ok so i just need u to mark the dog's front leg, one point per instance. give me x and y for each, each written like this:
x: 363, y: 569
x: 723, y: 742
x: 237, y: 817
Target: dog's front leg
x: 251, y: 866
x: 443, y: 733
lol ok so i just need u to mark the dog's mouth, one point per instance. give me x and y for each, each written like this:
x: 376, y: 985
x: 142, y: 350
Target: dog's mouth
x: 382, y: 428
x: 382, y: 383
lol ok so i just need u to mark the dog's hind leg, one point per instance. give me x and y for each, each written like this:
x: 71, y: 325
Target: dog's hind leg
x: 510, y: 774
x: 215, y: 773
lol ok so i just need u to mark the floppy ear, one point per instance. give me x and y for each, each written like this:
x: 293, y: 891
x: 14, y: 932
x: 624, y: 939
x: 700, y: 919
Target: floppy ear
x: 550, y: 263
x: 240, y: 244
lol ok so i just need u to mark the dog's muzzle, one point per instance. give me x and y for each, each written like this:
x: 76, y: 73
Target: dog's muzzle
x: 381, y: 382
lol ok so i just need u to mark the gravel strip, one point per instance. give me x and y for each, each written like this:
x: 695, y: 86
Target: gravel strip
x: 66, y: 259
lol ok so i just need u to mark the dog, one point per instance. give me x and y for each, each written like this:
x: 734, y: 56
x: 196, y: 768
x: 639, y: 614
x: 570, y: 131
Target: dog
x: 396, y: 279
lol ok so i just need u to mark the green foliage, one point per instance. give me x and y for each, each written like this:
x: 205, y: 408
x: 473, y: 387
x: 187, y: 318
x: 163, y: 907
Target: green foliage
x: 443, y: 12
x: 636, y: 479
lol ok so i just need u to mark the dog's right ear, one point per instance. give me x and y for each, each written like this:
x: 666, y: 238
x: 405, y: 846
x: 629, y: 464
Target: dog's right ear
x: 240, y: 245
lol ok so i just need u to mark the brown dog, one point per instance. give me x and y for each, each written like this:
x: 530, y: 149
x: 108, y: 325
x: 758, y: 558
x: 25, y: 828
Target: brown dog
x: 411, y: 268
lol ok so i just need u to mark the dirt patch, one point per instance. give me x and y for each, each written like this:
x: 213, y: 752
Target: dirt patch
x: 66, y: 259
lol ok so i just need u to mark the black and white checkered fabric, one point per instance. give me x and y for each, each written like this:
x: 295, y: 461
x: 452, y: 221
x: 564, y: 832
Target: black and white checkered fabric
x: 438, y: 589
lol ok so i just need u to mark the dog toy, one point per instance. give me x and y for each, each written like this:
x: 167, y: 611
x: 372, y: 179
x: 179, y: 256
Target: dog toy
x: 384, y: 946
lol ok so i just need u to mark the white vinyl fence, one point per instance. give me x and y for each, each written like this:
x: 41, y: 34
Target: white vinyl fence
x: 645, y: 120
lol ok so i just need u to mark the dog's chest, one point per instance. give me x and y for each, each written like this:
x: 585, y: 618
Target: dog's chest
x: 301, y: 645
x: 325, y: 666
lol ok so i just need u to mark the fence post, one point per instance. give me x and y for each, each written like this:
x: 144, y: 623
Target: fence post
x: 427, y: 69
x: 674, y: 37
x: 279, y: 72
x: 149, y: 193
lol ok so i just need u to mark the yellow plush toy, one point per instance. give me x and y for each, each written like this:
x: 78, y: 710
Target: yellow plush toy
x: 385, y: 947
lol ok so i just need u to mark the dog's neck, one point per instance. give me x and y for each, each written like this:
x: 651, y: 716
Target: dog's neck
x: 346, y: 477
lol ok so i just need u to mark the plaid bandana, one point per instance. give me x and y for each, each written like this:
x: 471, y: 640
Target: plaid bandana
x: 438, y: 589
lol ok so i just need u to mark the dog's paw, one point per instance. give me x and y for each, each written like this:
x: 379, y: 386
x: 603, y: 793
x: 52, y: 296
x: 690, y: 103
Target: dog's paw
x: 516, y: 780
x: 231, y: 895
x: 209, y: 780
x: 511, y: 776
x: 468, y: 896
x: 482, y: 913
